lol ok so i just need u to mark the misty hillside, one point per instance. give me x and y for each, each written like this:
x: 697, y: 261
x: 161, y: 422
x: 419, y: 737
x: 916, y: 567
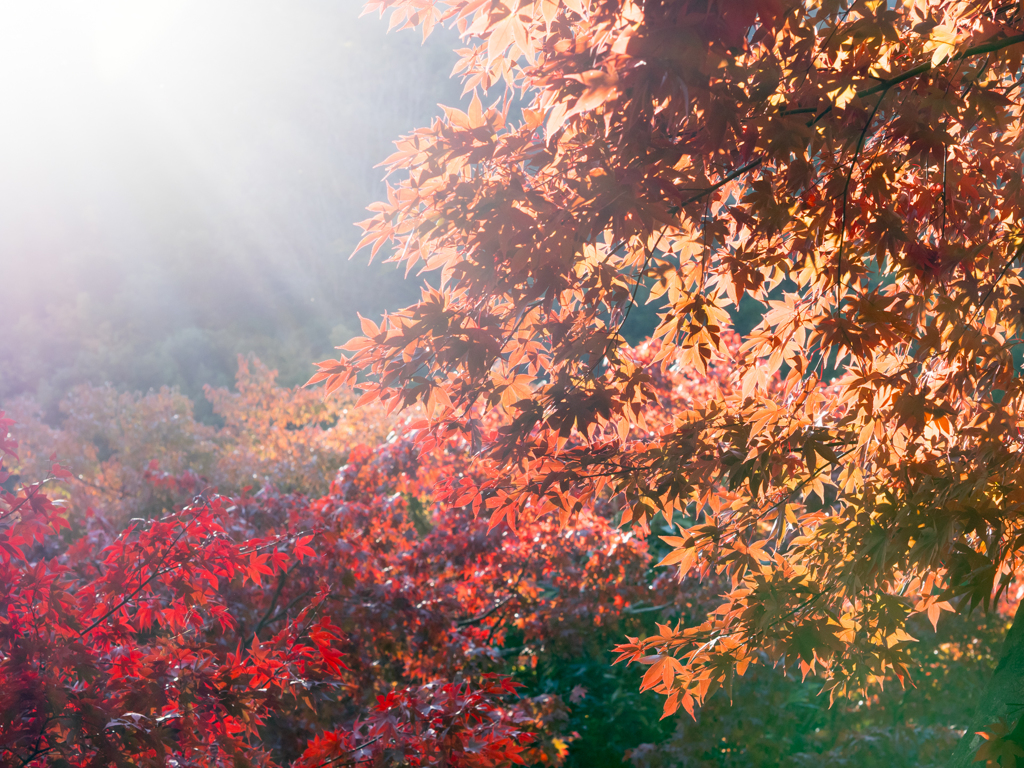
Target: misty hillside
x: 181, y: 183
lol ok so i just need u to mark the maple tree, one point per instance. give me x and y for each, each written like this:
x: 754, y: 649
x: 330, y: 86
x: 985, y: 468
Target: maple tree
x: 110, y: 441
x: 852, y: 167
x: 173, y: 625
x: 211, y: 636
x: 422, y: 598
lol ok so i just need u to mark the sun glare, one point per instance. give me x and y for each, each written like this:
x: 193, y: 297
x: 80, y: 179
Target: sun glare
x: 114, y: 89
x: 170, y: 168
x: 78, y: 77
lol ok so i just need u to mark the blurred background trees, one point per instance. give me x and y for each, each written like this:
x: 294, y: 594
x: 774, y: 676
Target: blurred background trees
x: 181, y: 182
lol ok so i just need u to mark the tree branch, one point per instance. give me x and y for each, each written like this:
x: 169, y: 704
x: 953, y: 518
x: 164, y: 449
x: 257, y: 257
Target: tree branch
x: 988, y: 47
x: 921, y: 69
x: 483, y: 616
x: 846, y: 192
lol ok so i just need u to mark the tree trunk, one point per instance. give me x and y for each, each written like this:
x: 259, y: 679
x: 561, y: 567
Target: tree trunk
x: 1003, y: 699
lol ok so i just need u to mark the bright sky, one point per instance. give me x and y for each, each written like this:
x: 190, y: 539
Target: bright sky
x: 185, y: 175
x: 114, y: 92
x: 132, y: 112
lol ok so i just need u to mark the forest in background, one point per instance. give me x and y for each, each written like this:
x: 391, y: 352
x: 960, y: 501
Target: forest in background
x: 155, y: 245
x: 157, y: 235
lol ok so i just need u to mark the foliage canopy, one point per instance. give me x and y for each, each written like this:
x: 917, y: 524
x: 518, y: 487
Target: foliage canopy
x: 853, y: 167
x: 405, y: 599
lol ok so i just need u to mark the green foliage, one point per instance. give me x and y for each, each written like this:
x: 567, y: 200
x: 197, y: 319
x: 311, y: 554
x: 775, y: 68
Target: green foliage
x: 780, y: 720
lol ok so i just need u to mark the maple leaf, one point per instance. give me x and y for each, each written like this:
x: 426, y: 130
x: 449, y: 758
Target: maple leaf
x: 820, y: 195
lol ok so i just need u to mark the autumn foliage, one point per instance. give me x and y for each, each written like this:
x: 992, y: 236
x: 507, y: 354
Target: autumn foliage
x: 854, y: 170
x: 830, y: 493
x: 172, y: 624
x: 380, y: 591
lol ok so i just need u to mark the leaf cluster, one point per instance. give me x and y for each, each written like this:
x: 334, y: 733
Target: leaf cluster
x: 855, y: 168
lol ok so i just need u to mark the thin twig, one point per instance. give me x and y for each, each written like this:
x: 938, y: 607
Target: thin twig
x: 281, y: 579
x: 144, y: 584
x: 486, y: 614
x: 846, y: 192
x: 1006, y: 268
x: 882, y: 87
x: 990, y: 47
x: 350, y: 751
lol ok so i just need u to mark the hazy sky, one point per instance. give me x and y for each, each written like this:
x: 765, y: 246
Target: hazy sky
x: 185, y: 165
x: 244, y: 110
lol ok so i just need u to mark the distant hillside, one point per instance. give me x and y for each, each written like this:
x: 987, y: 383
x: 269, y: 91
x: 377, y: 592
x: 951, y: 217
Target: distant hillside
x: 181, y: 185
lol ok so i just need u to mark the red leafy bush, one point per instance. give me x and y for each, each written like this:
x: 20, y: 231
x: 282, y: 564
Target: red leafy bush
x: 366, y: 626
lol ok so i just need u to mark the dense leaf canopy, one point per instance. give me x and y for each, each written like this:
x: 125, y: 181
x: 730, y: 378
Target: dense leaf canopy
x: 154, y: 621
x: 852, y: 167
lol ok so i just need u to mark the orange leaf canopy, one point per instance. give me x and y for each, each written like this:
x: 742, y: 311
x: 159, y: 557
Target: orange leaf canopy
x: 853, y: 169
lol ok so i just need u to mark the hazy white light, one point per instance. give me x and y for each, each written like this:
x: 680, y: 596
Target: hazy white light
x: 125, y: 108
